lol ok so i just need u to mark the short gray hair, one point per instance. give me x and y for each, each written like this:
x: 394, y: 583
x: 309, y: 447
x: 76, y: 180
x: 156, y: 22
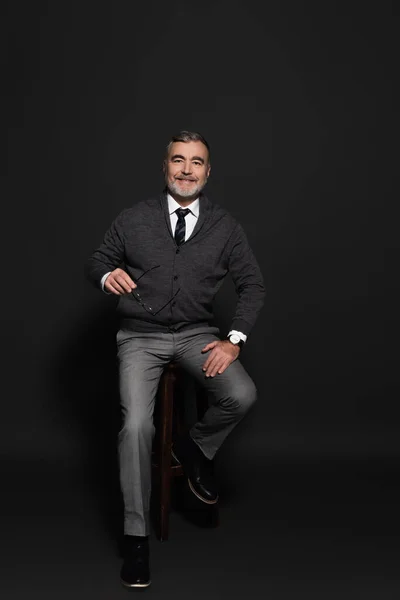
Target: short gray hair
x: 188, y: 136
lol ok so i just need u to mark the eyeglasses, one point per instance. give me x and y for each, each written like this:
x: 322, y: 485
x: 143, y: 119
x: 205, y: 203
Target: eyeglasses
x: 138, y: 297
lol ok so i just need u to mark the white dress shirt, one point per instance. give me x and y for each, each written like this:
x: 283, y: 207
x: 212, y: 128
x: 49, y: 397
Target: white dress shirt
x: 190, y: 219
x: 190, y: 222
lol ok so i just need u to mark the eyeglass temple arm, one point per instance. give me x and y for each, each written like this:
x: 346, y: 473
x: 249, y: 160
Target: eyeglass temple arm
x: 148, y: 271
x: 166, y: 304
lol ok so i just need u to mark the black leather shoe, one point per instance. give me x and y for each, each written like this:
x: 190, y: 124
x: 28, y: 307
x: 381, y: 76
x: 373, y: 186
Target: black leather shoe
x: 135, y: 572
x: 198, y: 469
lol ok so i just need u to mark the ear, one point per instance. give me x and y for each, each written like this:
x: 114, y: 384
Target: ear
x: 164, y: 165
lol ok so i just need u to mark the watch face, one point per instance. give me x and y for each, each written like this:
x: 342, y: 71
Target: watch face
x: 234, y: 338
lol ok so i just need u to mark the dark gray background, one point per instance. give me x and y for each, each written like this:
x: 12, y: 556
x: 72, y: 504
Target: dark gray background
x: 295, y: 100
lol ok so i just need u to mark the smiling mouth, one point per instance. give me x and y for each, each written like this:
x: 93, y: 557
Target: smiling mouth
x: 186, y: 180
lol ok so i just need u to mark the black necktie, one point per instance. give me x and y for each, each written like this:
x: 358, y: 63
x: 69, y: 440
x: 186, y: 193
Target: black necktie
x: 180, y: 228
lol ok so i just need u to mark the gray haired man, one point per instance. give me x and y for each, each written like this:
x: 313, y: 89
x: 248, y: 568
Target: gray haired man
x: 166, y: 258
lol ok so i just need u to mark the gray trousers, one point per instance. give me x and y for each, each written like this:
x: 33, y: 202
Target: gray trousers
x: 142, y: 358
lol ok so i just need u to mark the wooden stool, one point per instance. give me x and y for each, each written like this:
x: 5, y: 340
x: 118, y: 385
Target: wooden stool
x: 168, y: 418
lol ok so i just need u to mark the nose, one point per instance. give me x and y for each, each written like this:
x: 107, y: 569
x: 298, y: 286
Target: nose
x: 187, y: 168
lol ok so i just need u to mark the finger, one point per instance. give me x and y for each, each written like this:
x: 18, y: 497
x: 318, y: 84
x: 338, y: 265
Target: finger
x: 213, y: 371
x: 219, y: 365
x: 224, y: 367
x: 122, y: 281
x: 220, y: 368
x: 213, y: 366
x: 130, y: 282
x: 122, y: 278
x: 208, y: 361
x: 126, y: 286
x: 122, y: 275
x: 116, y: 286
x: 112, y: 289
x: 209, y: 346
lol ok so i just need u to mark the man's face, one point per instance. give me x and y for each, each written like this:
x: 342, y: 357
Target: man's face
x: 186, y: 169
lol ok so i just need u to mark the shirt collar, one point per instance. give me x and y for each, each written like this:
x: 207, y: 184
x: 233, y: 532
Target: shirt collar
x: 173, y: 205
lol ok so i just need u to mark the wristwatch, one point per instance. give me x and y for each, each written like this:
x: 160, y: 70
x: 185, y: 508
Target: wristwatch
x: 236, y: 340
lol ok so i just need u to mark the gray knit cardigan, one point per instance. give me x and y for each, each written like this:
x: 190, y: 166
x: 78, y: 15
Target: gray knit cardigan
x: 179, y: 283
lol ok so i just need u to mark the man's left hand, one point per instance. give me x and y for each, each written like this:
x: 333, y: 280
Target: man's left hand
x: 223, y: 353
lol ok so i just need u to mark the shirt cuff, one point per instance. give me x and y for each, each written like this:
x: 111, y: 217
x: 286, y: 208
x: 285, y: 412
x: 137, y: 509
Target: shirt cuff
x: 102, y: 282
x: 242, y: 336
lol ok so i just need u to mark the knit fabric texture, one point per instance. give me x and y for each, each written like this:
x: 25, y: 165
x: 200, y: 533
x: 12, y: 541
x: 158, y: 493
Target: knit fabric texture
x: 140, y: 239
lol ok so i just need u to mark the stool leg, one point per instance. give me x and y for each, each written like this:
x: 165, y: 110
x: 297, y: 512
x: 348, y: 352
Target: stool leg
x: 167, y: 389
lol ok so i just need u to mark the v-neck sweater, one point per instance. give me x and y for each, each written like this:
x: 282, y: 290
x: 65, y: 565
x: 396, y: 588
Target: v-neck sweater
x: 181, y: 280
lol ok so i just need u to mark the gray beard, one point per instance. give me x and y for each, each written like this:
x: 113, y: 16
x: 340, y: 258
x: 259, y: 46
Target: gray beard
x: 195, y: 191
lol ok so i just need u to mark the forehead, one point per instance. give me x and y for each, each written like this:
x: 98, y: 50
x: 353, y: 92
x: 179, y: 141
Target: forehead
x: 189, y: 149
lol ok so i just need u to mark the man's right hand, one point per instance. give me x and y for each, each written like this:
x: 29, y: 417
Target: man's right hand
x: 118, y: 282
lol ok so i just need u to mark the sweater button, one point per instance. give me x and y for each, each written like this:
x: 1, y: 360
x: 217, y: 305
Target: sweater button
x: 175, y: 277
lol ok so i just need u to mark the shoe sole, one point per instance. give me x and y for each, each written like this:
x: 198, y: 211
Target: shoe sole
x: 201, y: 497
x: 135, y: 585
